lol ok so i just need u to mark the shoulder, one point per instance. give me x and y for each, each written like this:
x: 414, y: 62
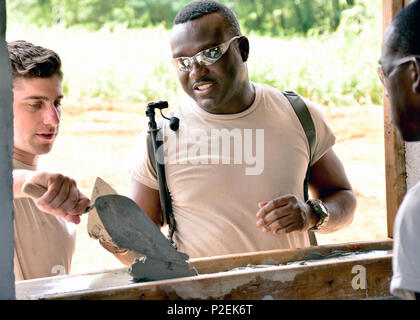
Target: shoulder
x: 413, y: 195
x: 411, y: 202
x: 415, y: 189
x: 315, y: 109
x: 408, y: 217
x: 266, y: 90
x: 272, y: 99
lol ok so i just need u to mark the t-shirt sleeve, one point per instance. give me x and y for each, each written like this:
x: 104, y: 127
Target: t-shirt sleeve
x: 141, y: 168
x: 406, y: 260
x: 325, y: 138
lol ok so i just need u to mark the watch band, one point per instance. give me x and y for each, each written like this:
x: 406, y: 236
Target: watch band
x: 321, y: 212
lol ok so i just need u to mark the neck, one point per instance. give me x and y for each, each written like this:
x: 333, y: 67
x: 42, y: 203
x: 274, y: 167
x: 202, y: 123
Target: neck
x: 249, y: 96
x: 244, y: 100
x: 25, y: 157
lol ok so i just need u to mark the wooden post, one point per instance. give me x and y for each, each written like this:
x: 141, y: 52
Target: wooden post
x: 395, y: 169
x: 7, y: 280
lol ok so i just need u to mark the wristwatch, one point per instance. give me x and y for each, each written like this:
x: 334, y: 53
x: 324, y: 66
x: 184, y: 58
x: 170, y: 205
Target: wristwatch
x: 321, y: 212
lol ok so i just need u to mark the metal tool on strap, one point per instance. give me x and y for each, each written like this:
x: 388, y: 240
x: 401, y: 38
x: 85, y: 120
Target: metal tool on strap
x: 156, y: 153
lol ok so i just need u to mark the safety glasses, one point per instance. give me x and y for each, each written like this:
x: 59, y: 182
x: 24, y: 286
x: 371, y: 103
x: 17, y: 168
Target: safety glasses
x: 204, y: 58
x: 399, y: 62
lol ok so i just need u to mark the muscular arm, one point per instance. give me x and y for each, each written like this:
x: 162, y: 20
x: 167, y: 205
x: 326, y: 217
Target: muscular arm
x: 147, y: 199
x: 329, y: 183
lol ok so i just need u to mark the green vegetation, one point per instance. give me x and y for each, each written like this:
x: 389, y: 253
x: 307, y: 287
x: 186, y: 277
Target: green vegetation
x: 271, y: 17
x: 335, y: 69
x: 118, y: 61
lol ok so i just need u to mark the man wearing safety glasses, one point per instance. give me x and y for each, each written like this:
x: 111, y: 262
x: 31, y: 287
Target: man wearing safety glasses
x: 400, y: 74
x: 219, y: 207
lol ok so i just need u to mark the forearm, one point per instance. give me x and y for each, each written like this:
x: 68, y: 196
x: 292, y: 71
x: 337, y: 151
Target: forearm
x: 341, y: 207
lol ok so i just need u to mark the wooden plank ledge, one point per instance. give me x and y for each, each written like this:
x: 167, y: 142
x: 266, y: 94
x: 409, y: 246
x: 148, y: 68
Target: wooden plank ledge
x: 276, y: 257
x: 324, y: 279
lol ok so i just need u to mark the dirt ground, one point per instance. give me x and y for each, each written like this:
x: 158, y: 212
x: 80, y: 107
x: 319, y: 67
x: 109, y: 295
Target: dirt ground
x: 96, y: 138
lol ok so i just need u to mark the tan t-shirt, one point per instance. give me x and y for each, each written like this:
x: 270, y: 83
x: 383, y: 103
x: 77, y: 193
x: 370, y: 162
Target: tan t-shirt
x: 44, y: 244
x: 216, y: 185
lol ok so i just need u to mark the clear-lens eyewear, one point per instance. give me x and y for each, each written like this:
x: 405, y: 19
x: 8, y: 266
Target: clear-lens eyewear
x: 399, y: 62
x: 204, y: 58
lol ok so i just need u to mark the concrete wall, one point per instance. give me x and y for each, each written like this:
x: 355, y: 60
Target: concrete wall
x: 7, y: 280
x: 412, y: 158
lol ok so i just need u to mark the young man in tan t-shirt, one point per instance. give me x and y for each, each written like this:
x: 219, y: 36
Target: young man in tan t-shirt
x: 44, y: 236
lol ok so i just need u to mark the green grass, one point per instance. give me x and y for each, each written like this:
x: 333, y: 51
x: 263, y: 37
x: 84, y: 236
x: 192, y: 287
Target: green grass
x: 134, y: 65
x: 338, y: 69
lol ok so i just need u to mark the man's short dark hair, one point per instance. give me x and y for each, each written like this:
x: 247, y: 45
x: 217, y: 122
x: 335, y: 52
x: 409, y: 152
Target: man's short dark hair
x: 30, y: 61
x: 406, y: 35
x: 199, y: 8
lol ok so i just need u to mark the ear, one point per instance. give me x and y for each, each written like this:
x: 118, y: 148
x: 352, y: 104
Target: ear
x: 416, y: 77
x: 244, y: 48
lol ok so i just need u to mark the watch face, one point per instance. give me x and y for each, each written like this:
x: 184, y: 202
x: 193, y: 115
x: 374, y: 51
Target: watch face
x: 324, y: 208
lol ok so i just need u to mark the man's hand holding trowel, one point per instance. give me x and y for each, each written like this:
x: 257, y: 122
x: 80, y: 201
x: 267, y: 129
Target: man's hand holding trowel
x: 58, y: 195
x: 53, y: 193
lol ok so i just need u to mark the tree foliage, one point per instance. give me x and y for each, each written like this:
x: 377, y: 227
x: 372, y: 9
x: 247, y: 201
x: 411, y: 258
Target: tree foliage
x: 269, y: 17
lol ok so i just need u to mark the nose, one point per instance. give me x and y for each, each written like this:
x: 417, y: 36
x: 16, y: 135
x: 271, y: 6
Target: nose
x: 51, y: 115
x: 198, y: 71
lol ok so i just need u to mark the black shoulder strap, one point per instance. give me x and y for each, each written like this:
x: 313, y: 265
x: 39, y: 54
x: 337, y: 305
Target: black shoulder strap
x: 167, y: 216
x: 307, y: 123
x: 305, y: 119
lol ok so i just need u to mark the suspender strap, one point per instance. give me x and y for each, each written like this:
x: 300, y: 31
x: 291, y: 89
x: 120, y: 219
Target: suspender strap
x: 305, y: 119
x: 156, y: 152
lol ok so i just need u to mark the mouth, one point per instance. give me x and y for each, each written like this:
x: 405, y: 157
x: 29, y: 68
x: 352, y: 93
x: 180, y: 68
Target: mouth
x: 47, y: 136
x: 203, y: 86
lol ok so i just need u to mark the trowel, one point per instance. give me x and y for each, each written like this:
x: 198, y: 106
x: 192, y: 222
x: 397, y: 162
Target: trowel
x: 128, y: 227
x: 145, y: 239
